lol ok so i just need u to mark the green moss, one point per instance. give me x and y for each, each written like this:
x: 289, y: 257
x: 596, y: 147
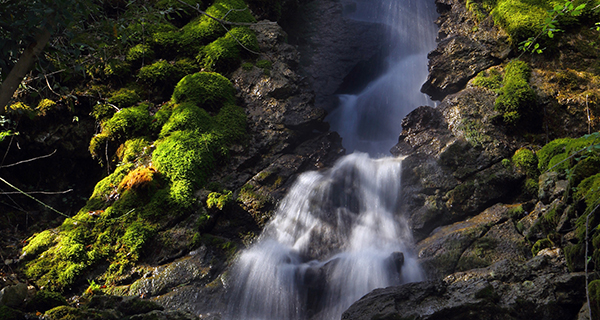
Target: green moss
x: 132, y: 149
x: 164, y: 72
x: 106, y: 188
x: 247, y: 66
x: 224, y: 54
x: 550, y: 150
x: 161, y: 117
x: 186, y: 155
x: 205, y: 30
x: 187, y: 116
x: 139, y: 53
x: 207, y: 90
x: 490, y: 79
x: 231, y: 124
x: 63, y: 313
x: 136, y: 235
x: 182, y: 193
x: 40, y: 242
x: 541, y: 244
x: 124, y: 98
x: 521, y: 18
x: 159, y: 71
x: 516, y: 100
x: 525, y: 160
x: 559, y: 163
x: 103, y: 111
x: 219, y: 200
x: 128, y: 123
x: 117, y: 69
x: 516, y: 212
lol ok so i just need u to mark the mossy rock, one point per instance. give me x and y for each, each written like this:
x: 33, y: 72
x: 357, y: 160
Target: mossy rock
x: 525, y: 160
x: 521, y: 19
x: 40, y: 242
x: 187, y: 116
x: 133, y: 149
x: 225, y: 54
x: 186, y: 155
x: 541, y: 244
x: 550, y: 150
x: 205, y: 30
x: 124, y: 97
x: 128, y: 123
x: 489, y: 79
x: 164, y: 72
x: 117, y: 69
x: 139, y: 53
x: 516, y: 100
x: 45, y: 300
x: 207, y: 90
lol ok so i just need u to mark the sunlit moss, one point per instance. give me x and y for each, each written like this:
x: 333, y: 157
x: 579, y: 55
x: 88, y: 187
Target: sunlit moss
x: 516, y: 100
x: 225, y: 53
x: 207, y: 90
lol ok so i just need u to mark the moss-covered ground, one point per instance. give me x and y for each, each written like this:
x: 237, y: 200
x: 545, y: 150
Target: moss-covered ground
x: 167, y: 117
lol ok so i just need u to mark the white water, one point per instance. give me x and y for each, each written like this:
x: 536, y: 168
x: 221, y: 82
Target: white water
x: 329, y: 243
x: 338, y: 234
x: 370, y: 120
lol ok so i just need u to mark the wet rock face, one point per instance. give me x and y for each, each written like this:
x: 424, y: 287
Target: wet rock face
x: 538, y: 289
x: 331, y: 45
x: 453, y: 167
x: 465, y: 48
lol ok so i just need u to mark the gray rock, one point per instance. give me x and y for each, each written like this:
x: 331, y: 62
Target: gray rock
x: 505, y: 290
x: 14, y: 295
x: 465, y: 48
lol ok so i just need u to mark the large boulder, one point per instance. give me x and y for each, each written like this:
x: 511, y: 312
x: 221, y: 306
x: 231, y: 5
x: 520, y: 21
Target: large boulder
x: 465, y: 48
x: 539, y: 289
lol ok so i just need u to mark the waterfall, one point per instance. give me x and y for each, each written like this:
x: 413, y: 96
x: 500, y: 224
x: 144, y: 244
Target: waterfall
x: 370, y: 120
x: 338, y: 233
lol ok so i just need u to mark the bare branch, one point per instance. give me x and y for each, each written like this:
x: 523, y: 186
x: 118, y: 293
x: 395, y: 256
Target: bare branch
x: 37, y: 192
x: 28, y: 160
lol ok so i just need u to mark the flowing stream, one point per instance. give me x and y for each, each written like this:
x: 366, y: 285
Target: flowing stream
x: 338, y: 233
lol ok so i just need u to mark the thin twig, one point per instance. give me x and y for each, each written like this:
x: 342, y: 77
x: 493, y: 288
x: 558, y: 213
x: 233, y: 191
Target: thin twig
x: 7, y: 149
x: 28, y: 160
x: 37, y: 192
x: 35, y: 199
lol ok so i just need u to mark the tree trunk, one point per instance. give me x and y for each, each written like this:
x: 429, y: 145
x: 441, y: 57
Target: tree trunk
x: 20, y: 69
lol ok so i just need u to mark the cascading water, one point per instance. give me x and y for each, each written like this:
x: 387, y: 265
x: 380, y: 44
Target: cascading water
x: 338, y: 234
x: 370, y: 120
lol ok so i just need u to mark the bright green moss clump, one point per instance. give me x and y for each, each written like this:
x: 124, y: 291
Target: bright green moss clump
x: 187, y: 116
x: 516, y: 100
x: 526, y: 160
x: 224, y: 54
x: 203, y: 30
x: 521, y: 19
x: 207, y: 90
x: 550, y: 150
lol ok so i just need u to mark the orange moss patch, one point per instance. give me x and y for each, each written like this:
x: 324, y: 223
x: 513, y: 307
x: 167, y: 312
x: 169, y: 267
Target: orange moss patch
x: 138, y: 179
